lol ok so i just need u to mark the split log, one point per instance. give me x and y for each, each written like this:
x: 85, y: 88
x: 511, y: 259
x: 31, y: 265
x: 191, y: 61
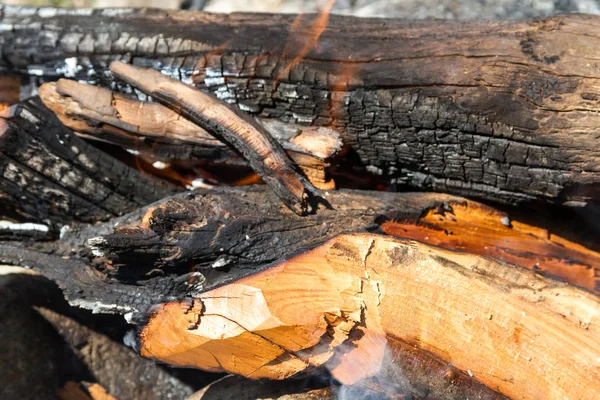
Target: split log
x: 49, y: 175
x: 520, y: 334
x: 505, y: 111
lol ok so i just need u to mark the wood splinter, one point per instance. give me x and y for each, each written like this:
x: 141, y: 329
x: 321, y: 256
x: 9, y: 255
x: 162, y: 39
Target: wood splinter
x: 266, y: 156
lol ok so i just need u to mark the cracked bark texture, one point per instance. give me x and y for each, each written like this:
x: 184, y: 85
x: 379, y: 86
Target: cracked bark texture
x: 192, y: 242
x: 189, y: 243
x: 497, y: 110
x: 49, y: 175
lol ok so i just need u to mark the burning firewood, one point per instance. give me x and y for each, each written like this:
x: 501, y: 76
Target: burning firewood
x: 265, y: 156
x: 488, y: 113
x: 336, y: 304
x: 48, y: 175
x: 158, y: 133
x: 230, y: 280
x: 341, y: 297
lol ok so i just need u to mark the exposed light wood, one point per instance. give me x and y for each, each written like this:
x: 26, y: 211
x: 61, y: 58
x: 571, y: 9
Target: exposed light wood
x: 475, y: 228
x: 523, y: 335
x: 265, y: 155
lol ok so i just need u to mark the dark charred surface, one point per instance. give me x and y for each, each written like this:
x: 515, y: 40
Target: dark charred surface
x: 47, y: 343
x: 49, y: 175
x: 192, y: 242
x: 495, y: 110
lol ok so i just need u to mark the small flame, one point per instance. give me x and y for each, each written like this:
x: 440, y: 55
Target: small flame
x: 252, y: 179
x: 316, y: 29
x: 339, y: 90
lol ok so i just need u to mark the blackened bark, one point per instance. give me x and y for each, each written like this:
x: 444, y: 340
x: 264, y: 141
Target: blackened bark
x: 192, y: 242
x: 49, y: 175
x: 497, y: 110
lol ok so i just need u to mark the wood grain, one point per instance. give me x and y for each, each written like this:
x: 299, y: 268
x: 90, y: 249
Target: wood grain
x: 520, y: 334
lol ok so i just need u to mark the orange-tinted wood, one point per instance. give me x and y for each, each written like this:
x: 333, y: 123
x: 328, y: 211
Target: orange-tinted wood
x: 475, y: 228
x: 516, y: 332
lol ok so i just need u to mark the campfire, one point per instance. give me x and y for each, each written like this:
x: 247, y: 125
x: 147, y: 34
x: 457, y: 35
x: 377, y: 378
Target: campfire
x: 318, y: 206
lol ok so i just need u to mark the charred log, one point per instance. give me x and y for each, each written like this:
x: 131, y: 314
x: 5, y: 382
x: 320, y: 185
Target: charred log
x: 193, y: 242
x: 487, y: 111
x: 49, y: 175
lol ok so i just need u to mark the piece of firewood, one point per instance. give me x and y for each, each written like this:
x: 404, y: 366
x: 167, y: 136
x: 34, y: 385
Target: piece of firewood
x: 48, y: 175
x: 162, y: 237
x: 475, y: 228
x: 183, y: 246
x: 192, y: 242
x: 158, y: 133
x: 520, y: 334
x: 264, y: 154
x: 503, y: 111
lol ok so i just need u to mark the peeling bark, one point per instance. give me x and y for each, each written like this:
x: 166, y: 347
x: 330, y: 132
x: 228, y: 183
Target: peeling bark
x: 158, y: 133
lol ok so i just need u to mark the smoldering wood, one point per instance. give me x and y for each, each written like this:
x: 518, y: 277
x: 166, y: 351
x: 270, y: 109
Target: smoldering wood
x: 337, y: 305
x: 264, y: 154
x: 192, y: 242
x: 181, y: 247
x: 49, y: 175
x: 220, y: 236
x: 504, y: 111
x: 158, y: 133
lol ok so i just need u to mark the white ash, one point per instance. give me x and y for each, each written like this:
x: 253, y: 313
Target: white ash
x: 199, y: 184
x: 64, y: 230
x: 94, y: 244
x: 27, y: 226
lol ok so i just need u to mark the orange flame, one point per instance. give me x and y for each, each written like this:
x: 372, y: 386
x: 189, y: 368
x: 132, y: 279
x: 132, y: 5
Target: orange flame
x: 169, y: 173
x: 316, y: 30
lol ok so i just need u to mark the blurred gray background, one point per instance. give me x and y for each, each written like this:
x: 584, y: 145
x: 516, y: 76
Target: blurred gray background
x: 461, y: 9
